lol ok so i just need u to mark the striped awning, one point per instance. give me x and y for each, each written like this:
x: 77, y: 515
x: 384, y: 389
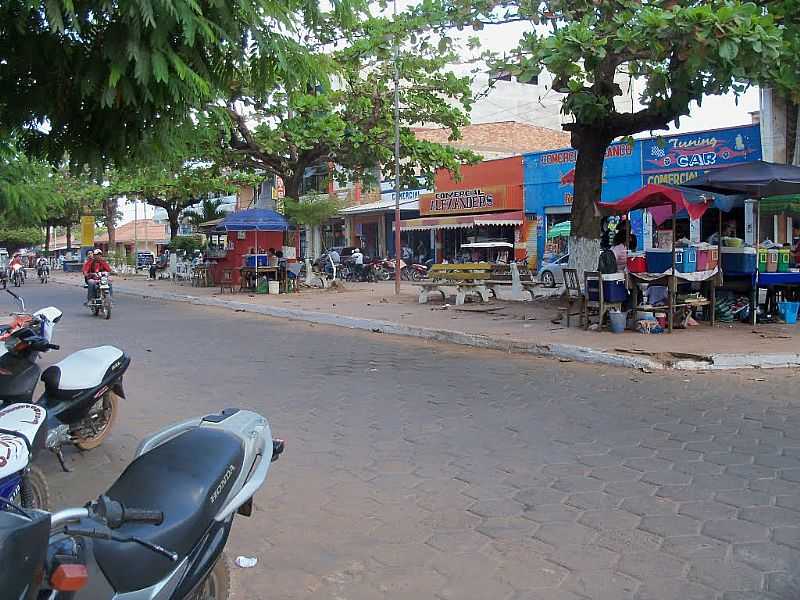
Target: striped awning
x: 463, y: 221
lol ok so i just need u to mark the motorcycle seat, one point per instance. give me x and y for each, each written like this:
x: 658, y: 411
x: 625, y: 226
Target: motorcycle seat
x: 188, y: 478
x: 82, y: 370
x: 18, y: 423
x: 51, y: 313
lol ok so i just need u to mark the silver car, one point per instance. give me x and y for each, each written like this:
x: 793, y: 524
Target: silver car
x: 551, y: 273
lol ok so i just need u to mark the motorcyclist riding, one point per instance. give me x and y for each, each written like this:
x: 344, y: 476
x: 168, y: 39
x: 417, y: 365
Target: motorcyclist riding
x: 95, y: 263
x: 42, y: 265
x: 16, y: 261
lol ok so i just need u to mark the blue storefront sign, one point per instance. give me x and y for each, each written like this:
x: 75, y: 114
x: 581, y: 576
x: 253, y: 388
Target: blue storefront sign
x: 669, y: 160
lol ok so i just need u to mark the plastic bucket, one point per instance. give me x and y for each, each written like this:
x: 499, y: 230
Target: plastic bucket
x: 617, y: 321
x: 274, y: 287
x: 788, y: 311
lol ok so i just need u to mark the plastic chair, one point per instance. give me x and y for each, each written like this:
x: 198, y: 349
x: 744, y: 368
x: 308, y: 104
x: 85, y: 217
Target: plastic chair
x: 574, y: 294
x: 227, y: 281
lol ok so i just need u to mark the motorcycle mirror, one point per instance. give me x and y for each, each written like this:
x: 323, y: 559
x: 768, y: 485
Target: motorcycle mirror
x: 18, y: 299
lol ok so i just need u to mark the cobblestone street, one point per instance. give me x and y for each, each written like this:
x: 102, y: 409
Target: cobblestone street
x: 418, y: 470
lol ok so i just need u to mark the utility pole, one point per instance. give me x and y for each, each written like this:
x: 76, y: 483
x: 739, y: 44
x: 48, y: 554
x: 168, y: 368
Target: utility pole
x: 396, y: 159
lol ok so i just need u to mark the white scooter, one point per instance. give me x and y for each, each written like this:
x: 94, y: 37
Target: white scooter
x: 159, y: 531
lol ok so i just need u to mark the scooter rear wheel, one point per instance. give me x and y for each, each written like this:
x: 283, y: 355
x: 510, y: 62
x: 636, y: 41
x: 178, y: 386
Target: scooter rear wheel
x: 34, y: 492
x: 217, y: 584
x: 89, y: 433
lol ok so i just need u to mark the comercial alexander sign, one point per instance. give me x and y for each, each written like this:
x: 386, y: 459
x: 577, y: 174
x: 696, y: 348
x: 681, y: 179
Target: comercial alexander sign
x: 466, y: 201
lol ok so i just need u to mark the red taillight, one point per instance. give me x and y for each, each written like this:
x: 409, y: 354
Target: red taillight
x: 69, y: 578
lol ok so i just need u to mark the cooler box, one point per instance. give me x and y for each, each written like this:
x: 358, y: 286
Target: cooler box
x: 250, y: 260
x: 784, y: 255
x: 637, y: 264
x: 686, y: 259
x: 762, y: 260
x: 613, y: 289
x: 707, y: 258
x: 772, y: 261
x: 739, y: 260
x: 660, y: 260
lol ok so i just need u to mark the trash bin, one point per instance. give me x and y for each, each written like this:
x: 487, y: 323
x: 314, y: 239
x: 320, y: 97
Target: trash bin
x: 617, y: 321
x: 274, y: 287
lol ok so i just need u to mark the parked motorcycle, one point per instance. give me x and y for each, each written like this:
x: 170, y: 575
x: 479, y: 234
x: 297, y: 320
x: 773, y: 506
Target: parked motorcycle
x: 22, y: 436
x: 101, y: 303
x: 160, y: 530
x: 81, y: 393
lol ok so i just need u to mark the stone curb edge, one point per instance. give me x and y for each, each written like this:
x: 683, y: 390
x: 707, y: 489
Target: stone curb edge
x: 560, y: 351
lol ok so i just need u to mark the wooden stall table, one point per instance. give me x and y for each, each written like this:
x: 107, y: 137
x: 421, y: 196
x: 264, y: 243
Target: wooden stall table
x: 671, y: 279
x: 249, y: 276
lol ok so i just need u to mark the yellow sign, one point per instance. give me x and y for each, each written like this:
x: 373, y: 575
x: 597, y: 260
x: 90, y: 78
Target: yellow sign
x: 87, y: 231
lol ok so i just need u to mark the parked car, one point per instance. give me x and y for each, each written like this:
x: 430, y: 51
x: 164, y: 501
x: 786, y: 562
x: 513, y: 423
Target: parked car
x: 551, y: 273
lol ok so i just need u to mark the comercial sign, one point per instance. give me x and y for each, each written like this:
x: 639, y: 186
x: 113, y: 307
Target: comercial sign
x: 87, y: 231
x: 470, y: 200
x: 674, y: 160
x: 550, y: 176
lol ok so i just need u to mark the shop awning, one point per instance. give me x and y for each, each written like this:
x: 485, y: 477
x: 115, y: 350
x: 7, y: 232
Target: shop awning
x: 463, y: 221
x: 380, y: 207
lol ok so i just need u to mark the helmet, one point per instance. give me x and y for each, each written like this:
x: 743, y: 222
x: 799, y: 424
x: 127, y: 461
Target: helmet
x: 98, y: 251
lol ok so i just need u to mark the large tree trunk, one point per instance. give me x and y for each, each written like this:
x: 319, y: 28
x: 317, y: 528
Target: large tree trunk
x: 584, y: 242
x: 173, y: 224
x: 110, y: 211
x: 69, y: 238
x: 47, y: 238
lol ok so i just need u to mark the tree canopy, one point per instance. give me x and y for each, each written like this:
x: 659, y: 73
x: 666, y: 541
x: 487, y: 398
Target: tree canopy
x: 679, y: 50
x: 94, y: 77
x: 350, y: 123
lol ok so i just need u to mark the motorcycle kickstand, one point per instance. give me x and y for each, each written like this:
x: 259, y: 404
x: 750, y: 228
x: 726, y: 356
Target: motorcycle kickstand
x: 60, y: 455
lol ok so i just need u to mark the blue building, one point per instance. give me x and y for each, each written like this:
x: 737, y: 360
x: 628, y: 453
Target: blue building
x: 671, y: 160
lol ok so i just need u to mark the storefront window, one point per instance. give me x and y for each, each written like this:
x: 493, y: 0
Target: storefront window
x: 333, y: 234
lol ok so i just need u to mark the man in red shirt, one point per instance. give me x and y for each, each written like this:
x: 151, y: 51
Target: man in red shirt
x: 95, y: 263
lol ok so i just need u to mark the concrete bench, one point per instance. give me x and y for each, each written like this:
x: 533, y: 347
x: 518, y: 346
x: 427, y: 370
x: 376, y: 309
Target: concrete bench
x: 467, y: 278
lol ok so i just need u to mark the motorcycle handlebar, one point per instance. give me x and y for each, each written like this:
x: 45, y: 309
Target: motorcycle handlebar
x: 142, y: 515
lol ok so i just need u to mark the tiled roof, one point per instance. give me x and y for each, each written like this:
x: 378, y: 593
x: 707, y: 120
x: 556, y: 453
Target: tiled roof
x: 145, y: 230
x: 501, y: 138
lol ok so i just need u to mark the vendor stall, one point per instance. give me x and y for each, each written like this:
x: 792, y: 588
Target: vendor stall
x: 249, y: 235
x: 673, y: 266
x: 776, y: 191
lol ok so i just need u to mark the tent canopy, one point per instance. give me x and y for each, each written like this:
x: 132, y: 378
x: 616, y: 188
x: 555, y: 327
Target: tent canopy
x: 775, y: 205
x: 653, y: 195
x: 254, y: 219
x: 562, y: 229
x: 757, y: 178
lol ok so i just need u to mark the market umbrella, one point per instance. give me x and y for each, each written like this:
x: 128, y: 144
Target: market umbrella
x: 758, y: 178
x: 663, y: 201
x: 560, y: 230
x: 253, y: 219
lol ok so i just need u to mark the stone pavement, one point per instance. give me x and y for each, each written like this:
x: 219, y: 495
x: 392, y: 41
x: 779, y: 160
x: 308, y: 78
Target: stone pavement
x: 525, y: 327
x: 425, y: 471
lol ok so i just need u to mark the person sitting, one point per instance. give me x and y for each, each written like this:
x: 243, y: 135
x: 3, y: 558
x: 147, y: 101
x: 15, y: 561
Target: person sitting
x: 95, y: 263
x: 620, y: 250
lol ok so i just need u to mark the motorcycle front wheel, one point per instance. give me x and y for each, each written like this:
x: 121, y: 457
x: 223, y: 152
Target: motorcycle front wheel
x: 217, y: 584
x: 92, y: 430
x: 107, y: 307
x: 34, y: 492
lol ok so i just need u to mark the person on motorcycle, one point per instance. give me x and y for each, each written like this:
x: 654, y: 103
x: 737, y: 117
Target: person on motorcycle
x: 95, y: 263
x: 16, y: 260
x: 358, y: 263
x: 41, y: 265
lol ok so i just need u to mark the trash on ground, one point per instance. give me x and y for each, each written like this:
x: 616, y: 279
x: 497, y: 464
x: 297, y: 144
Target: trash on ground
x: 246, y: 562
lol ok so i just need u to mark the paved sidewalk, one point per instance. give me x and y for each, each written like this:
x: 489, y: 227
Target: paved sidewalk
x: 525, y: 327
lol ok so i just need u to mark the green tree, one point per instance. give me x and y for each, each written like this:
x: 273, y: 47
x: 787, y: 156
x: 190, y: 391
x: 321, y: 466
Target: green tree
x: 680, y: 50
x: 94, y: 77
x: 351, y: 123
x: 209, y: 210
x: 14, y: 237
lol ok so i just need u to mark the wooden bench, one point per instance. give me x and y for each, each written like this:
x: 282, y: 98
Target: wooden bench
x: 467, y: 278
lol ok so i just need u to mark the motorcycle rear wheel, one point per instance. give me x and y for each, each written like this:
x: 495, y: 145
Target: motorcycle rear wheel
x: 217, y: 584
x: 88, y: 435
x: 34, y: 492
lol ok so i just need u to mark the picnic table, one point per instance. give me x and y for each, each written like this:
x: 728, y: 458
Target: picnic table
x: 467, y: 278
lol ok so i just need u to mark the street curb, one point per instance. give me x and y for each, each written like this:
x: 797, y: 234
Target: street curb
x: 711, y: 362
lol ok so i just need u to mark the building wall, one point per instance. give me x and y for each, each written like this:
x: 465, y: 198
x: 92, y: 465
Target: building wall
x: 669, y: 160
x: 504, y: 171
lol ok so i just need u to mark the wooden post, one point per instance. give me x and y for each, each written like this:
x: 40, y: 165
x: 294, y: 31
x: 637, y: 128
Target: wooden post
x: 754, y: 280
x: 671, y: 279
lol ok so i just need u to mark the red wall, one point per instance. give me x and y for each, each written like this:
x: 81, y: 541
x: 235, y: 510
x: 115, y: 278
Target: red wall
x: 503, y: 171
x: 233, y: 260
